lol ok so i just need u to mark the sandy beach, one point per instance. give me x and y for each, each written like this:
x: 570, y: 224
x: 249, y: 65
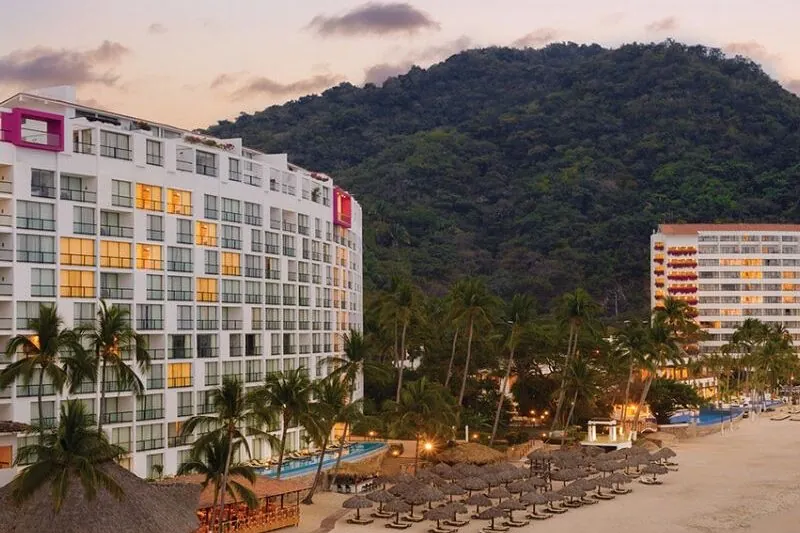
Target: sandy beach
x: 746, y: 480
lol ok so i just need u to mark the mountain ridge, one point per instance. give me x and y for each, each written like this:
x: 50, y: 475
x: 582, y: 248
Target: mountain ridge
x: 546, y: 169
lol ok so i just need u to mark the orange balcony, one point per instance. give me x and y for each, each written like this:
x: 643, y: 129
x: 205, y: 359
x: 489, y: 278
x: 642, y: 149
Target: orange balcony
x: 682, y: 263
x: 659, y: 258
x: 682, y: 289
x: 659, y: 282
x: 658, y: 246
x: 682, y: 250
x: 682, y: 276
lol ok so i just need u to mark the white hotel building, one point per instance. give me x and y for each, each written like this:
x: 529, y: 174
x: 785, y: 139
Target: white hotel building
x: 232, y: 262
x: 728, y: 273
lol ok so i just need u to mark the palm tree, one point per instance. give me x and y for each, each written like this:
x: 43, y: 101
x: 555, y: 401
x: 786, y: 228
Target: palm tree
x: 289, y: 394
x: 746, y: 339
x: 517, y: 317
x: 74, y: 451
x: 398, y: 308
x: 235, y: 414
x: 633, y: 344
x: 210, y: 461
x: 582, y: 381
x: 425, y: 410
x: 473, y: 305
x: 333, y: 406
x: 111, y: 337
x: 52, y: 351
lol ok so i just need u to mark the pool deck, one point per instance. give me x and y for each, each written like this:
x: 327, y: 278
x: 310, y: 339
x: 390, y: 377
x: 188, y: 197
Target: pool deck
x: 310, y: 465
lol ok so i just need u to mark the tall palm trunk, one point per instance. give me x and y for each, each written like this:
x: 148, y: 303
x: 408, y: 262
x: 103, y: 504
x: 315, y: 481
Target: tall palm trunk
x: 571, y: 412
x: 624, y: 416
x: 502, y: 396
x: 416, y: 455
x: 452, y: 358
x: 284, y: 429
x: 102, y: 396
x: 212, y: 517
x: 642, y: 399
x: 309, y: 499
x: 341, y: 451
x: 562, y: 391
x: 401, y: 359
x: 39, y: 402
x: 466, y: 365
x: 225, y: 480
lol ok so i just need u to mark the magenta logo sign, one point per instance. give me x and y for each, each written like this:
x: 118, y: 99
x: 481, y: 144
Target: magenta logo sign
x: 31, y: 128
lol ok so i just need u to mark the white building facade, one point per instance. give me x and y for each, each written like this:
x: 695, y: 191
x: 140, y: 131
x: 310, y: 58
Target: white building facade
x: 232, y: 262
x: 728, y: 273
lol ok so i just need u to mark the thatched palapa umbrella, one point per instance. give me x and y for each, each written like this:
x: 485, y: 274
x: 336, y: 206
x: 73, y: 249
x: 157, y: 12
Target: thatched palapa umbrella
x: 357, y: 502
x: 431, y: 494
x: 473, y: 483
x: 144, y: 508
x: 499, y: 493
x: 454, y: 508
x: 491, y: 513
x: 534, y: 499
x: 655, y: 470
x: 380, y: 497
x: 451, y: 489
x: 438, y: 514
x: 397, y: 507
x: 478, y: 500
x: 512, y: 505
x: 472, y: 453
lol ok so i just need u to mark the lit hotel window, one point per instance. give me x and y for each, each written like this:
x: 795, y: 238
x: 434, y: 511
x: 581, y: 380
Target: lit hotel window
x: 77, y: 284
x: 179, y: 375
x: 207, y: 290
x: 148, y: 197
x: 78, y: 252
x: 179, y: 202
x: 206, y: 234
x: 231, y: 264
x: 148, y: 257
x: 114, y: 254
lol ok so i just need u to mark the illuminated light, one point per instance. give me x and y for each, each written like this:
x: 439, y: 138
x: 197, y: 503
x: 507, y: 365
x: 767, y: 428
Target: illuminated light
x: 475, y: 436
x: 428, y: 446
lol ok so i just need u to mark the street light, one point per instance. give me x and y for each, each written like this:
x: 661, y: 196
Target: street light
x: 428, y: 446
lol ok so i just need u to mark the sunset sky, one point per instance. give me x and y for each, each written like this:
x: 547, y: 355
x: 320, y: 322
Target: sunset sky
x: 192, y: 62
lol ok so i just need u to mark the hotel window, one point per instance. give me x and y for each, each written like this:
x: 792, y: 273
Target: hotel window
x: 206, y: 163
x: 155, y: 227
x: 231, y: 264
x: 179, y: 259
x: 121, y: 193
x: 83, y: 314
x: 83, y: 220
x: 122, y: 437
x: 79, y: 252
x: 185, y: 407
x: 253, y: 371
x: 27, y: 311
x: 231, y: 291
x: 234, y: 172
x: 252, y: 214
x: 232, y: 369
x: 149, y: 197
x: 149, y: 316
x: 231, y: 210
x: 43, y: 183
x: 150, y: 437
x: 155, y: 287
x: 155, y: 153
x: 252, y: 295
x: 36, y: 216
x: 206, y: 234
x: 184, y: 231
x: 206, y: 317
x: 185, y: 316
x: 115, y: 145
x: 256, y: 243
x: 179, y: 202
x: 206, y: 348
x: 35, y: 249
x: 155, y: 464
x: 74, y: 189
x: 150, y: 407
x: 273, y: 243
x: 180, y: 288
x: 43, y: 282
x: 272, y: 268
x: 211, y: 262
x: 77, y: 284
x: 252, y: 266
x: 231, y: 237
x: 288, y: 246
x: 115, y: 254
x: 207, y: 290
x: 148, y: 257
x: 111, y: 225
x: 210, y: 209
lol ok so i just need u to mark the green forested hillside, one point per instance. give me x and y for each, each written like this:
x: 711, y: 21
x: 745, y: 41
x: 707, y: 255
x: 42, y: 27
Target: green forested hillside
x: 546, y: 169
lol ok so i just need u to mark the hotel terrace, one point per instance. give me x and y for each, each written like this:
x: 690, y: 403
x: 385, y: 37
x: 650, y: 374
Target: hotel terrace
x: 232, y: 262
x: 727, y: 273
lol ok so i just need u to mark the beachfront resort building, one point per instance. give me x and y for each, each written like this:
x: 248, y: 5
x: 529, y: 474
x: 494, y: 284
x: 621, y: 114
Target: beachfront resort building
x: 231, y: 262
x: 728, y: 273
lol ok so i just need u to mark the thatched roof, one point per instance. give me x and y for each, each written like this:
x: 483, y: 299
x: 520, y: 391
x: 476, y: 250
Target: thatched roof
x: 144, y: 508
x: 7, y: 426
x: 472, y: 453
x: 264, y: 487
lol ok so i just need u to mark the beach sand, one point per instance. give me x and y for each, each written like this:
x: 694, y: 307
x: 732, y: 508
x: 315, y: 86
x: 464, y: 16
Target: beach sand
x: 744, y: 480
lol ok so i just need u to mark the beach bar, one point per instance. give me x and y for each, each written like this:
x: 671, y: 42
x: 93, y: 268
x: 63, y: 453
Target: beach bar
x: 278, y: 505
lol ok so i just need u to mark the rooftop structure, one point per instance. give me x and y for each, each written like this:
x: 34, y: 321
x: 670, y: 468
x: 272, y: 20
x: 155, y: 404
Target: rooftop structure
x: 232, y: 262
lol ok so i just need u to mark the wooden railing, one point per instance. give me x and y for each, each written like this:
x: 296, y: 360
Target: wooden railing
x: 257, y: 521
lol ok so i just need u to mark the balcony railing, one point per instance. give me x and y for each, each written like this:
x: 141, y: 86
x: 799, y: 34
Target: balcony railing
x: 149, y: 323
x: 252, y: 298
x: 179, y: 296
x: 231, y: 324
x: 180, y: 266
x: 253, y: 377
x: 179, y: 353
x: 253, y: 220
x: 155, y: 294
x: 155, y: 383
x: 39, y: 224
x: 207, y: 170
x: 43, y: 191
x: 174, y: 383
x: 116, y: 293
x: 149, y: 444
x: 116, y: 386
x: 149, y: 414
x: 84, y: 228
x: 252, y: 272
x: 185, y: 323
x: 155, y: 234
x: 231, y: 216
x: 121, y: 200
x: 207, y: 324
x: 115, y: 152
x: 273, y: 249
x: 44, y: 423
x: 77, y: 195
x: 117, y: 417
x: 107, y: 230
x: 231, y: 298
x: 33, y: 390
x: 272, y: 324
x: 80, y: 147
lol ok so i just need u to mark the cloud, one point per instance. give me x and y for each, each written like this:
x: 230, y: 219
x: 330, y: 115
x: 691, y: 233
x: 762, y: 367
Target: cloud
x: 223, y: 80
x: 269, y: 87
x: 752, y: 49
x: 39, y: 66
x: 793, y: 86
x: 539, y: 37
x: 381, y: 72
x: 374, y: 18
x: 438, y: 52
x: 156, y: 29
x: 662, y: 25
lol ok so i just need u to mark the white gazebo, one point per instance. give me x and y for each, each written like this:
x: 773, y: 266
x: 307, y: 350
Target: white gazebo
x: 614, y: 438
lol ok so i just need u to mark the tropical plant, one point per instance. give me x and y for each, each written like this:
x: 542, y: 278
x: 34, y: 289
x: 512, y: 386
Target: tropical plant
x: 399, y: 306
x: 583, y: 382
x: 75, y: 451
x: 516, y: 317
x: 632, y: 343
x: 51, y: 352
x: 577, y: 310
x: 473, y: 305
x: 211, y: 461
x: 425, y: 411
x: 111, y: 338
x: 288, y: 394
x: 333, y: 405
x: 235, y: 414
x: 667, y: 396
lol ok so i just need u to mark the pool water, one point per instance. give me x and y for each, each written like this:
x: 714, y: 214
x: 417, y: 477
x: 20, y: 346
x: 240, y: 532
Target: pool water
x: 707, y: 416
x: 301, y: 467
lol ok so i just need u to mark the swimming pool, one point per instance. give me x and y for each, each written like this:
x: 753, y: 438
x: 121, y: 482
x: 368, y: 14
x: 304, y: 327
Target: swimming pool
x: 301, y: 467
x: 707, y: 416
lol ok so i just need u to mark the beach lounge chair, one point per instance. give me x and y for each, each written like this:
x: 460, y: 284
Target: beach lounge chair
x: 778, y: 418
x: 360, y: 521
x: 398, y: 525
x: 587, y: 501
x: 555, y: 509
x: 538, y: 516
x: 495, y: 529
x: 381, y: 514
x: 441, y: 530
x: 412, y: 518
x: 516, y: 523
x: 650, y: 481
x: 603, y: 496
x: 621, y: 491
x: 572, y: 504
x: 455, y: 523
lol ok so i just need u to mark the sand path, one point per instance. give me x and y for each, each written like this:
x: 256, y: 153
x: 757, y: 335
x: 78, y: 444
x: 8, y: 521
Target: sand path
x: 745, y: 480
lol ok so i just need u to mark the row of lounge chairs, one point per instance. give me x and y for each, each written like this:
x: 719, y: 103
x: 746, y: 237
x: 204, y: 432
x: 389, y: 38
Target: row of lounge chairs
x: 300, y: 455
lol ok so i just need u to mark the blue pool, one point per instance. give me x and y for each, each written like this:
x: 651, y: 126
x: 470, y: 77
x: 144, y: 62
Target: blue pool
x: 301, y: 467
x: 708, y: 416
